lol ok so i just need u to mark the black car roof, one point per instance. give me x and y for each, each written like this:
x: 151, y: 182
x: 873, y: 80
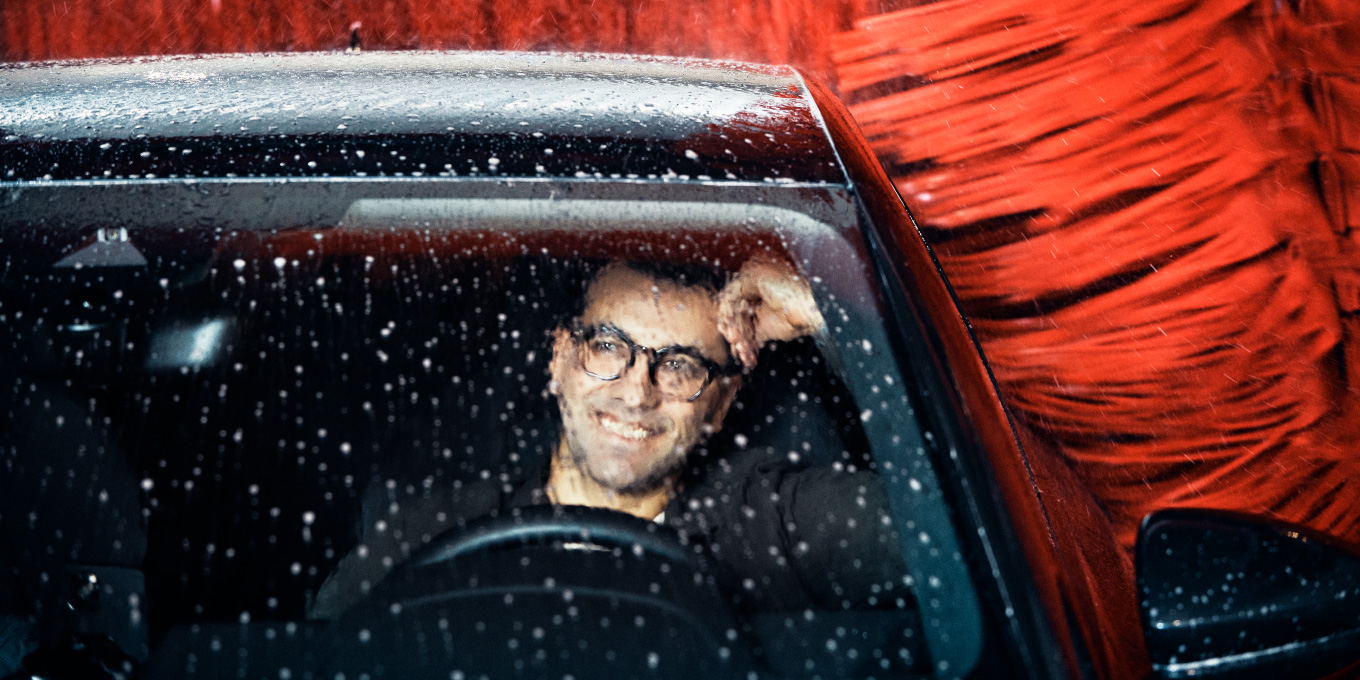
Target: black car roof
x: 411, y: 113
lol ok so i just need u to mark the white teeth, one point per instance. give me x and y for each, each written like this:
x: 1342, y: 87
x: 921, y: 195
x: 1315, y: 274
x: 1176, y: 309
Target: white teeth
x: 623, y: 430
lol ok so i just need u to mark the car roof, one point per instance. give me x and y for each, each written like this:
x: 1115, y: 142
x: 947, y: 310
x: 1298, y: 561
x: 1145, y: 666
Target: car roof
x: 411, y: 113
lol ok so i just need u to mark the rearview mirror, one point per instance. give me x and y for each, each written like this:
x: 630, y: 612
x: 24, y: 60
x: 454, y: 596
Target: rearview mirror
x: 1233, y: 596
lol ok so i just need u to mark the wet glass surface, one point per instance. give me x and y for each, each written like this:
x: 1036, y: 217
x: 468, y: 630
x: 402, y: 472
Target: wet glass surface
x: 217, y: 392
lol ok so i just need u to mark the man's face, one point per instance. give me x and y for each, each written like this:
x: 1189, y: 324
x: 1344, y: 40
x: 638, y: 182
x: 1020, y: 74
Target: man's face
x: 625, y: 434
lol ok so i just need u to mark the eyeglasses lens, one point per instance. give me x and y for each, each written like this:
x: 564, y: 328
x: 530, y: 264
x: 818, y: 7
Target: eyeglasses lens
x: 607, y: 355
x: 680, y: 376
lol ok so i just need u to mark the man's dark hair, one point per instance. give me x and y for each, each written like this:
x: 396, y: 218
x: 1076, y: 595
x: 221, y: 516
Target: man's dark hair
x: 685, y: 275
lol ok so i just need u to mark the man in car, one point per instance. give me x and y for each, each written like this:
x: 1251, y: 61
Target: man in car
x: 642, y: 377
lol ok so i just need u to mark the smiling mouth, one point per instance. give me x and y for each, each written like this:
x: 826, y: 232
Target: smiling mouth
x: 629, y: 431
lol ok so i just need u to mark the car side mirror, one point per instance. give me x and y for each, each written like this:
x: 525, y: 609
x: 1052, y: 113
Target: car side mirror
x: 1233, y: 596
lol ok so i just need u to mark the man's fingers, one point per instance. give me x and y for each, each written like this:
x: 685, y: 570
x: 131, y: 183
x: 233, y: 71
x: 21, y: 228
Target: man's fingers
x: 785, y: 308
x: 766, y: 300
x: 736, y: 322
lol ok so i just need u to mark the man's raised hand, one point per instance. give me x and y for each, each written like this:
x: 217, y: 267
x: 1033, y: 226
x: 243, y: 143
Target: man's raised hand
x: 766, y: 300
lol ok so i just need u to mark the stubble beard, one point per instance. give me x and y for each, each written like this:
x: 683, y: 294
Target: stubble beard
x: 655, y: 476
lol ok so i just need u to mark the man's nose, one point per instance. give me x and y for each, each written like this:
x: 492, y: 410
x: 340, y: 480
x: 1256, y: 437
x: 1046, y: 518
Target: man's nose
x: 635, y: 386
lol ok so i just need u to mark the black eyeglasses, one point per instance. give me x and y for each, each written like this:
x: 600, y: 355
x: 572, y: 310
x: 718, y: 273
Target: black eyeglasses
x: 678, y: 372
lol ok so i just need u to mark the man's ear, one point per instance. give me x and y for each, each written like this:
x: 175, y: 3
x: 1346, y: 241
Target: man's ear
x: 560, y: 351
x: 728, y: 387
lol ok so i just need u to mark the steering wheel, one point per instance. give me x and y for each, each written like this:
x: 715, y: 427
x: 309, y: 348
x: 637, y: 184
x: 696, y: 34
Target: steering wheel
x: 591, y: 528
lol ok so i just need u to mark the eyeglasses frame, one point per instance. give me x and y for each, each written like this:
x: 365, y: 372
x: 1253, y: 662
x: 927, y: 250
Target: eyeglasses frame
x: 584, y: 334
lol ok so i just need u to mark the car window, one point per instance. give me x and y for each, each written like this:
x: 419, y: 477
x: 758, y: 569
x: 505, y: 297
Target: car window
x: 219, y: 394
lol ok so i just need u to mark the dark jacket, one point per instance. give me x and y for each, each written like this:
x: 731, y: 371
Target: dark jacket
x: 783, y: 537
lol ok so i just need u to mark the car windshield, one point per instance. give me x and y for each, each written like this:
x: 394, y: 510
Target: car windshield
x: 221, y: 395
